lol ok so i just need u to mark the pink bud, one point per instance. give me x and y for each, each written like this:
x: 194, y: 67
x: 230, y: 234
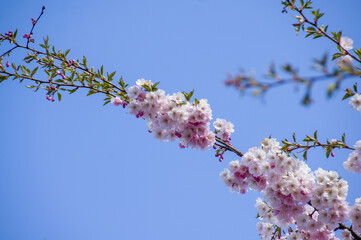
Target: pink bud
x: 8, y: 64
x: 332, y: 154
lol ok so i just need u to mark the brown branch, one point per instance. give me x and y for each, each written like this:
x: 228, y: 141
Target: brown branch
x: 34, y: 24
x: 77, y: 66
x: 71, y: 85
x: 354, y: 234
x: 314, y: 24
x: 227, y: 146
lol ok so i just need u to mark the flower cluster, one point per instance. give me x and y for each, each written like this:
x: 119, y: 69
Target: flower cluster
x: 171, y: 117
x: 287, y: 183
x: 355, y: 215
x: 313, y: 202
x: 329, y: 199
x: 353, y: 163
x: 223, y: 129
x: 345, y: 62
x: 27, y: 36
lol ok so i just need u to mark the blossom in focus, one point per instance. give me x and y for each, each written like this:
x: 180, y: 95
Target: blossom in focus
x: 355, y: 102
x: 292, y: 193
x: 170, y: 117
x: 346, y: 43
x: 223, y: 128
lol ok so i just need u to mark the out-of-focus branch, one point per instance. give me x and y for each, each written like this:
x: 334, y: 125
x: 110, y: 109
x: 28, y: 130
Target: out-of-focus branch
x: 247, y: 83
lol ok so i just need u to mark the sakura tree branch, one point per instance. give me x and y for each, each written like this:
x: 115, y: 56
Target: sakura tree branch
x: 226, y: 145
x: 57, y: 85
x: 34, y: 24
x: 354, y: 234
x: 313, y: 142
x: 63, y: 60
x: 316, y: 30
x: 341, y: 226
x: 244, y: 81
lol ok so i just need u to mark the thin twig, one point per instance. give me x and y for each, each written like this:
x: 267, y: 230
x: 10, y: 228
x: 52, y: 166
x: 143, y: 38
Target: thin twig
x: 57, y: 84
x: 34, y: 24
x: 229, y: 147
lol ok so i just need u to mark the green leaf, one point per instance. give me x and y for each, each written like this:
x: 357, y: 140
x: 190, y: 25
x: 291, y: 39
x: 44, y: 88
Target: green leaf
x: 294, y: 137
x: 190, y: 94
x: 34, y: 71
x: 121, y: 82
x: 71, y: 91
x: 91, y: 92
x: 343, y: 137
x: 59, y: 96
x: 84, y: 61
x: 355, y: 87
x: 348, y: 94
x: 315, y: 134
x: 30, y: 87
x: 15, y: 33
x: 328, y: 152
x: 336, y: 55
x: 111, y: 76
x: 66, y: 52
x: 305, y: 155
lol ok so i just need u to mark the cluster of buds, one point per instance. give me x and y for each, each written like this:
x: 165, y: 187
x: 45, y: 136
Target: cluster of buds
x: 7, y: 35
x: 33, y: 21
x: 50, y: 95
x: 71, y: 62
x: 61, y: 74
x: 50, y: 98
x: 27, y: 36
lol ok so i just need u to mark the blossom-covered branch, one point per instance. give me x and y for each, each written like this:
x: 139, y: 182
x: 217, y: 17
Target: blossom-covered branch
x: 298, y: 203
x: 344, y: 44
x: 313, y: 142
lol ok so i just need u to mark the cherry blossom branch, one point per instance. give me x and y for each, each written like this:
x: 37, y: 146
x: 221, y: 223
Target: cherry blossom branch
x: 12, y: 36
x: 75, y: 65
x: 313, y: 142
x: 57, y: 85
x: 34, y: 24
x: 354, y: 234
x: 316, y: 30
x: 341, y: 226
x: 226, y: 145
x: 244, y: 81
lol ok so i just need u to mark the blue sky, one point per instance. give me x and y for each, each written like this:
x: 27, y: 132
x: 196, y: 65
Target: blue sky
x: 81, y: 170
